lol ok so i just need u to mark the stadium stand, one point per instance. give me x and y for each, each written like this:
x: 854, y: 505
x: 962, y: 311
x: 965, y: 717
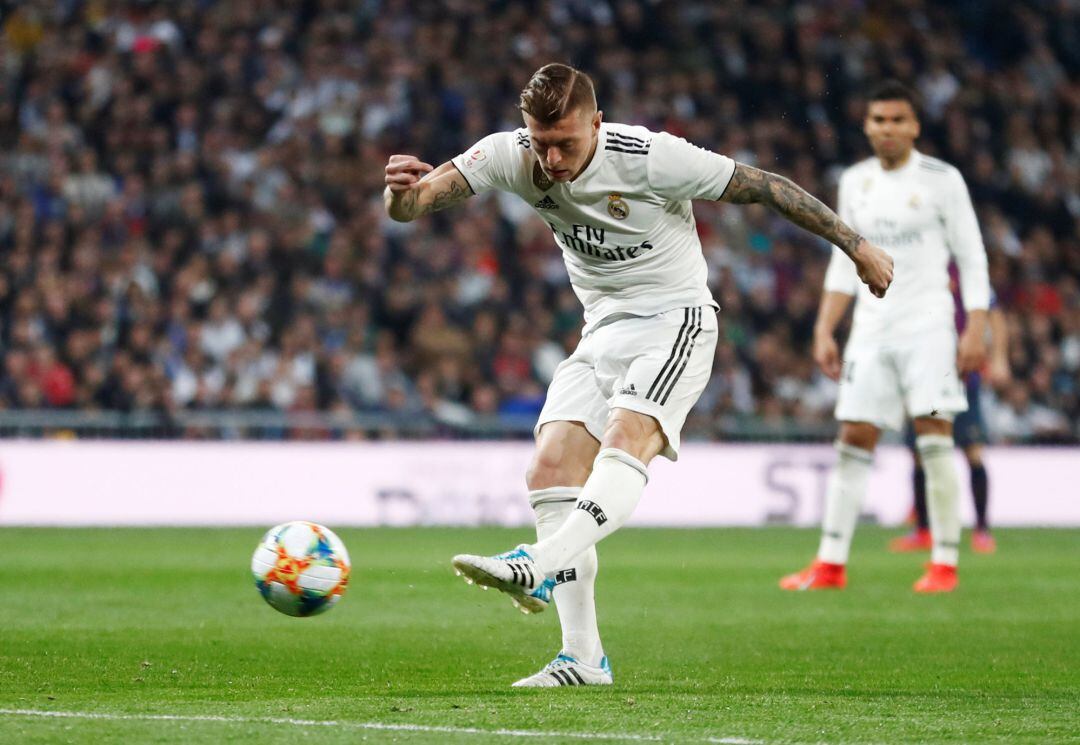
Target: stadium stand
x: 193, y: 243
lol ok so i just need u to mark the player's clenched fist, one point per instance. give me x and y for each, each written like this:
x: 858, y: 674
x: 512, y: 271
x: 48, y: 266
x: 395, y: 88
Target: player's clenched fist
x: 403, y: 172
x: 874, y: 266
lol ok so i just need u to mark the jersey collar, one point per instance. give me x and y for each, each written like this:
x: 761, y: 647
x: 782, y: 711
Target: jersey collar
x: 912, y: 163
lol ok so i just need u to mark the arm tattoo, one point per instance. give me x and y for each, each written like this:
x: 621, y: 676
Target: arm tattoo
x: 750, y: 185
x: 448, y: 197
x: 408, y: 205
x: 429, y: 197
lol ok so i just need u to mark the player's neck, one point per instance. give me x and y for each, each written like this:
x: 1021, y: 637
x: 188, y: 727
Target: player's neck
x: 892, y: 164
x: 592, y: 154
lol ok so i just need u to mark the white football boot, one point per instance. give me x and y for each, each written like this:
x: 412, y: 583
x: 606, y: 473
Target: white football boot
x: 564, y: 670
x: 514, y: 572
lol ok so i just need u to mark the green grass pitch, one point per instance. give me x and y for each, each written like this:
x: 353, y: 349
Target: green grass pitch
x: 160, y: 636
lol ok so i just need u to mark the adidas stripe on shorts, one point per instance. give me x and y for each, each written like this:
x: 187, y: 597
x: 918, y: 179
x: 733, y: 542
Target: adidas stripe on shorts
x: 655, y: 365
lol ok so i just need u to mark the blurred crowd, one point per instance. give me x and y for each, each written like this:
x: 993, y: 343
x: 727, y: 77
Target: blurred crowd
x: 191, y: 213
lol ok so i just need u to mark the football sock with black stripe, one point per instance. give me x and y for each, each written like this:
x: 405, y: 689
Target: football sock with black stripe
x: 575, y: 583
x: 607, y: 501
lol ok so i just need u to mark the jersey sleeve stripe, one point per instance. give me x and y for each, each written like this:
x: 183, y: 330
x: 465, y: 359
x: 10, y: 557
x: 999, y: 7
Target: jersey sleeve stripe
x: 625, y: 150
x: 627, y: 139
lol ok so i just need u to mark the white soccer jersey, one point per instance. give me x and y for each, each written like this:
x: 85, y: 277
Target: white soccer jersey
x: 625, y: 224
x: 921, y: 215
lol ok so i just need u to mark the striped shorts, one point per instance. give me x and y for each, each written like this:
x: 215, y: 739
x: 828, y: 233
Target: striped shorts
x: 655, y: 365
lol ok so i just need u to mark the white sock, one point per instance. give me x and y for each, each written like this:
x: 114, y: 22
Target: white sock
x: 575, y: 584
x: 607, y: 500
x: 942, y: 496
x: 843, y: 498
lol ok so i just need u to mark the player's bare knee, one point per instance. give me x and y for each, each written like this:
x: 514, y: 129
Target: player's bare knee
x: 634, y: 433
x: 861, y: 435
x: 563, y: 457
x: 929, y: 425
x: 556, y: 466
x: 545, y: 472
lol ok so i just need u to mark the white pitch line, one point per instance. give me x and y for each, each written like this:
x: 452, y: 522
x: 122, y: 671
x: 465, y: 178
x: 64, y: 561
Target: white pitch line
x: 356, y: 725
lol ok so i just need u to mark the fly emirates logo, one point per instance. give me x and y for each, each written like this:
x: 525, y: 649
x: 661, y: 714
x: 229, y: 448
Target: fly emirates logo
x: 889, y: 234
x: 589, y: 241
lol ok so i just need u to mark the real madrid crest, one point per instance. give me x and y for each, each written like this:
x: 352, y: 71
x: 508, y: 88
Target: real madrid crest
x: 617, y: 207
x: 541, y: 180
x: 914, y: 202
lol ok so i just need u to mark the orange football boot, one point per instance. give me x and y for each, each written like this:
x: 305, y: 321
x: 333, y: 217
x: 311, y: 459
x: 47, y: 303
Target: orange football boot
x: 938, y: 578
x: 917, y: 540
x: 982, y: 542
x: 820, y: 575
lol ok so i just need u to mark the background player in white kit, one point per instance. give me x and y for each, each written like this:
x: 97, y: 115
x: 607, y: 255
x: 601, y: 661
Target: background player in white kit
x: 617, y: 199
x: 902, y: 355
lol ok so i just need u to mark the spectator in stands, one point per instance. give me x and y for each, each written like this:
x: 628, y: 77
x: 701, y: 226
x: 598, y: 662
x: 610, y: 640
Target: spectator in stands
x: 190, y: 214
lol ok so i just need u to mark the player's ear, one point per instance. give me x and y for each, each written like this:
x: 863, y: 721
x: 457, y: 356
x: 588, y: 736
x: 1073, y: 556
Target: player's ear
x: 597, y: 118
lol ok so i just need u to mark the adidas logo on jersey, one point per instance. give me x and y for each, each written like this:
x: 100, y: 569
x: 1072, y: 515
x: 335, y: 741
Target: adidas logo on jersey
x: 547, y: 203
x: 629, y: 390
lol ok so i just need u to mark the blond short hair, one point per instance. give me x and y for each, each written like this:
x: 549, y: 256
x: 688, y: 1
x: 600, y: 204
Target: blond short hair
x: 554, y: 91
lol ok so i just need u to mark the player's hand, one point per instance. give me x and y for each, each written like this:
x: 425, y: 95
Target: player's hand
x: 827, y: 355
x: 874, y: 266
x: 999, y: 372
x: 970, y: 352
x: 403, y: 172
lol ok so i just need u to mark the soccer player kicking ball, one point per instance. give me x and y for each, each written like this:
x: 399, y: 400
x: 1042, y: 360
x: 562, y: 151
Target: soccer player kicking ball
x: 902, y: 355
x: 617, y: 200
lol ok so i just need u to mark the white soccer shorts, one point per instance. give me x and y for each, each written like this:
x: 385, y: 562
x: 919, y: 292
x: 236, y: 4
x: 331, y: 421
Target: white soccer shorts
x: 882, y: 382
x: 655, y: 365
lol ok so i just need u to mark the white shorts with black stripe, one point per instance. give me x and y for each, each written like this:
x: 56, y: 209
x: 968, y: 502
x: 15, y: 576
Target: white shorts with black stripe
x: 655, y: 365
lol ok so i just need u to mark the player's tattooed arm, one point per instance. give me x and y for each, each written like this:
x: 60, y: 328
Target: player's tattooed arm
x: 751, y: 185
x: 411, y: 194
x: 427, y: 198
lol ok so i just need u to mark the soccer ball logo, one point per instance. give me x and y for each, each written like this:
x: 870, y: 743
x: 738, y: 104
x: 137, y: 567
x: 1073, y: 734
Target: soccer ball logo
x: 301, y: 569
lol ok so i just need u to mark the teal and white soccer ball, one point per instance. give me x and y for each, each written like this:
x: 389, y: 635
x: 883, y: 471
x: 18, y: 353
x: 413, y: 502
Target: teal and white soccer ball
x: 301, y: 569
